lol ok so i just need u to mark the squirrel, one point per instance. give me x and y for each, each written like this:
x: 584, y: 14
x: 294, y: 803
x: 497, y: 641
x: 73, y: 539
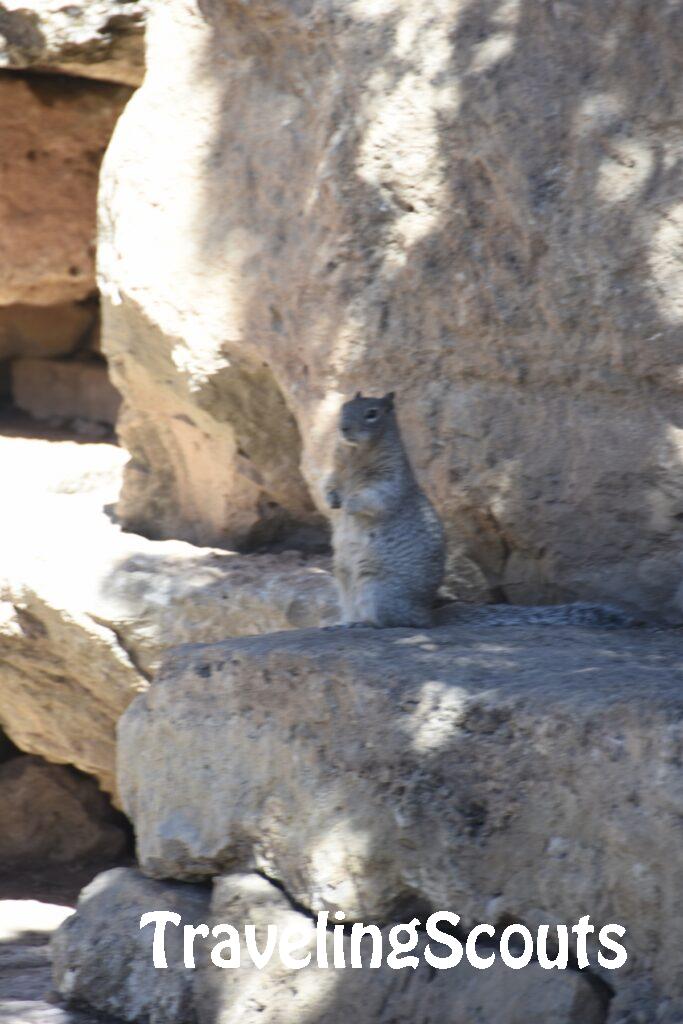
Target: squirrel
x: 388, y: 542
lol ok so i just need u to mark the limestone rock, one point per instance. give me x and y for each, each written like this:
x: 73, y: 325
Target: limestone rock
x: 54, y: 132
x: 101, y: 39
x: 101, y: 956
x: 51, y: 815
x: 44, y: 331
x: 508, y: 770
x: 86, y: 610
x: 48, y: 389
x: 476, y: 206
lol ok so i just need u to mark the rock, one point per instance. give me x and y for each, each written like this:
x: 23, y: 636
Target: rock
x: 402, y: 196
x: 103, y: 959
x: 86, y: 610
x: 44, y: 331
x: 48, y: 389
x: 506, y: 771
x: 463, y: 995
x: 103, y: 39
x: 101, y: 956
x: 54, y: 133
x: 52, y: 815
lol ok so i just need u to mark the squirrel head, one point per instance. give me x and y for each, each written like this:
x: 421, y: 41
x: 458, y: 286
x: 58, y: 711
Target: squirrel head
x: 364, y: 420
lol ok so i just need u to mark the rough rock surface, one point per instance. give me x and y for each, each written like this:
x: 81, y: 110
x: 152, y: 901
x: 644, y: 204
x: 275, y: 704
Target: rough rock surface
x: 475, y: 204
x: 101, y: 956
x: 463, y: 995
x: 65, y: 390
x: 45, y: 331
x: 85, y: 609
x: 104, y: 931
x: 50, y: 814
x: 457, y: 766
x: 54, y: 131
x: 101, y: 39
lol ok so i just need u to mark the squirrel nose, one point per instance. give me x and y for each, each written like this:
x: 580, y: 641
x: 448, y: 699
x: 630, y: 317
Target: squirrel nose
x: 346, y: 431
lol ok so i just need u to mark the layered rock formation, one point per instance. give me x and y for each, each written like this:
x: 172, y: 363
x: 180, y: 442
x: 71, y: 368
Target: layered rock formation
x: 474, y: 204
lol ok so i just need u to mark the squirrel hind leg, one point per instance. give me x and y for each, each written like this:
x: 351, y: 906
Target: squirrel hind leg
x: 409, y: 616
x: 384, y: 608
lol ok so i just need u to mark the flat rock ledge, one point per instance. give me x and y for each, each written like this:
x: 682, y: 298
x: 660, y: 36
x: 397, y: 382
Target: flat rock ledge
x: 101, y: 958
x: 493, y: 767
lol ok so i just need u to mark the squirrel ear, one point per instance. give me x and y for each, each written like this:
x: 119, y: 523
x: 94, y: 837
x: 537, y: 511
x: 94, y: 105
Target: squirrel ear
x: 389, y: 399
x: 358, y: 394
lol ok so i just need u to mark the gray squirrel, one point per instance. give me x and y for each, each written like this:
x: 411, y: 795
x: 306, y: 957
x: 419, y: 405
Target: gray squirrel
x: 389, y: 545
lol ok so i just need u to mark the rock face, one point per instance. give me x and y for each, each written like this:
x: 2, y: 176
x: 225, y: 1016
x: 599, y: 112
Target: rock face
x: 101, y: 955
x: 100, y: 39
x: 85, y: 610
x: 475, y: 205
x: 45, y: 331
x: 457, y: 767
x: 103, y: 959
x: 54, y: 133
x: 65, y: 390
x: 51, y: 815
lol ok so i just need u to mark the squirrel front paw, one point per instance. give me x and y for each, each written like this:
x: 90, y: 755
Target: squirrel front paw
x: 333, y: 498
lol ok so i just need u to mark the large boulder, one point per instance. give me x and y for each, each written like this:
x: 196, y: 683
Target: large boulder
x: 103, y: 959
x: 101, y: 39
x: 54, y: 132
x: 475, y: 205
x: 86, y: 609
x: 505, y: 770
x: 51, y: 815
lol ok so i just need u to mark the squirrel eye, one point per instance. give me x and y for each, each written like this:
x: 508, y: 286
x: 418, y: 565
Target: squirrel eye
x: 371, y: 414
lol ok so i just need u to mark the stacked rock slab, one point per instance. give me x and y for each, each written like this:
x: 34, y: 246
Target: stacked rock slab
x: 476, y: 205
x: 504, y: 771
x: 116, y: 973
